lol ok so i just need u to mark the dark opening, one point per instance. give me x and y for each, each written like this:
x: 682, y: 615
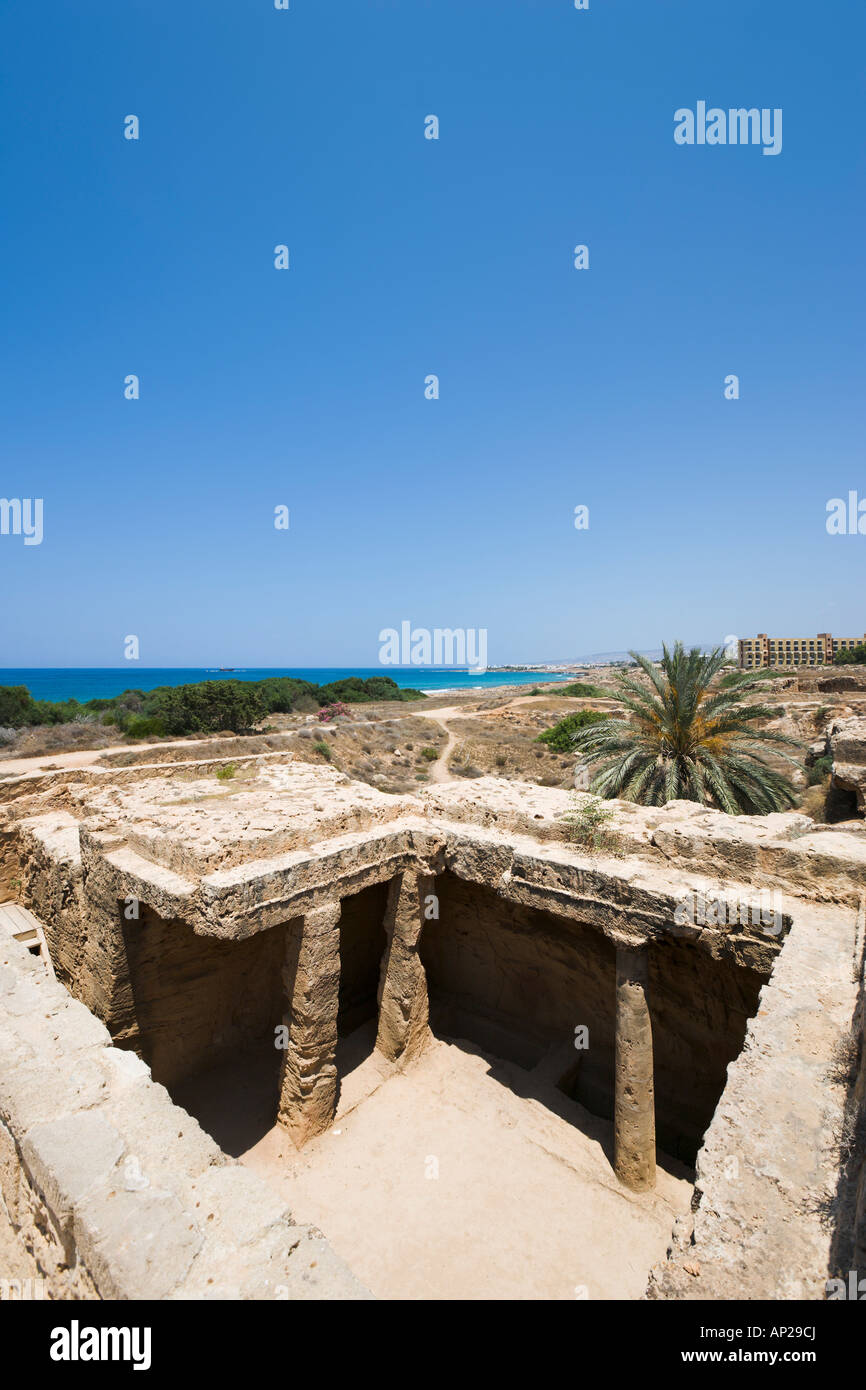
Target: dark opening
x: 202, y: 1013
x: 362, y: 944
x: 518, y: 982
x: 840, y: 804
x: 700, y: 1008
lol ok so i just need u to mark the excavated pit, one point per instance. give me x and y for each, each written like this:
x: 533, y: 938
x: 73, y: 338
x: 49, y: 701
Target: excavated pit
x: 520, y: 982
x: 516, y: 984
x: 500, y: 1058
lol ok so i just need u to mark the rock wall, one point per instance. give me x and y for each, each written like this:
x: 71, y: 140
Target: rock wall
x: 847, y: 743
x: 192, y: 1000
x: 114, y: 1191
x: 850, y: 1065
x: 518, y: 982
x: 765, y: 1213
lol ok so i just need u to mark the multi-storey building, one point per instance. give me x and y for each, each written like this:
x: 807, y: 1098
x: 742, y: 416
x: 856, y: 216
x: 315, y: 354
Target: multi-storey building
x: 794, y: 651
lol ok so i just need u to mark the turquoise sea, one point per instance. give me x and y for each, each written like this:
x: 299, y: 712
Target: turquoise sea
x: 101, y: 682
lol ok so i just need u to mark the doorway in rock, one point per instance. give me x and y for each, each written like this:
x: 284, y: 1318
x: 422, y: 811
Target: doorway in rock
x: 700, y: 1008
x: 362, y: 946
x: 519, y: 983
x: 202, y: 1013
x: 840, y: 804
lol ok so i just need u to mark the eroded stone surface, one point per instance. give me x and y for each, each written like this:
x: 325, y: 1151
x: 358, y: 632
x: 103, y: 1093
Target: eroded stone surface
x: 182, y: 912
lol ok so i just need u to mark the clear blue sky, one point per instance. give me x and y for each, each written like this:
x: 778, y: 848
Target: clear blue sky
x: 408, y: 257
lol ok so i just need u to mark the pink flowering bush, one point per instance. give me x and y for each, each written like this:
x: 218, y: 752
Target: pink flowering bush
x: 334, y: 711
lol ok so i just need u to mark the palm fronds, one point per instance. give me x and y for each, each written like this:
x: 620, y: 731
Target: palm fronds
x: 683, y: 735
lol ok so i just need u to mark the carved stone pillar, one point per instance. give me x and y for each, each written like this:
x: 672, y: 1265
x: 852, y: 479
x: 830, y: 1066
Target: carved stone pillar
x: 403, y: 1004
x: 311, y: 976
x: 634, y: 1102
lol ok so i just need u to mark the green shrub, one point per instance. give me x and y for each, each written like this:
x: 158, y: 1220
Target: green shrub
x: 820, y: 769
x: 587, y: 825
x: 852, y: 656
x: 561, y: 736
x: 208, y: 707
x: 140, y: 726
x: 322, y: 747
x: 205, y: 707
x: 355, y: 690
x: 226, y: 773
x: 16, y: 706
x: 430, y: 754
x: 284, y: 694
x: 585, y: 690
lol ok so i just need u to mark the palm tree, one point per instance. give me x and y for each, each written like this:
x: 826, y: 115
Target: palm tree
x: 680, y: 738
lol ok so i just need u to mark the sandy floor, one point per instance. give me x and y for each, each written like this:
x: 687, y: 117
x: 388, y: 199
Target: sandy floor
x: 448, y: 1181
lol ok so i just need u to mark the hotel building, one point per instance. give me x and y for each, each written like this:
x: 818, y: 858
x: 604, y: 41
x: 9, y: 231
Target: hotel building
x: 793, y: 651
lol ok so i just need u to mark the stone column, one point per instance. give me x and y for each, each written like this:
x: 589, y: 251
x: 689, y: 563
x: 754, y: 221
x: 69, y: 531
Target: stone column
x: 311, y: 977
x: 403, y: 1004
x: 634, y: 1102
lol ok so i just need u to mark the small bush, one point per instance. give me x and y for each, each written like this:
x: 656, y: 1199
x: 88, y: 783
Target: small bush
x: 561, y: 736
x: 16, y: 706
x: 141, y: 726
x: 429, y: 754
x: 337, y: 710
x: 322, y: 747
x: 587, y: 691
x: 587, y: 825
x: 820, y: 769
x: 851, y: 656
x: 227, y: 772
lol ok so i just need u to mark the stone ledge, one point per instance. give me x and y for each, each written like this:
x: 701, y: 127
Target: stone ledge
x: 115, y: 1191
x: 769, y: 1163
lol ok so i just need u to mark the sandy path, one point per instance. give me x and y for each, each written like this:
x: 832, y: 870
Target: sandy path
x: 88, y: 757
x: 9, y: 767
x: 439, y: 770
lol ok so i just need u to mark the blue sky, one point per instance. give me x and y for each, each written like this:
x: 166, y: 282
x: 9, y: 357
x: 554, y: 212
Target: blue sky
x: 409, y: 257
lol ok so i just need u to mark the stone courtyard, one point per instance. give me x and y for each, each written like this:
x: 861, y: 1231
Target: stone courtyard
x: 291, y: 1036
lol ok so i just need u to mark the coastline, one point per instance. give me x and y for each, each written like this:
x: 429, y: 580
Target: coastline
x: 59, y: 684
